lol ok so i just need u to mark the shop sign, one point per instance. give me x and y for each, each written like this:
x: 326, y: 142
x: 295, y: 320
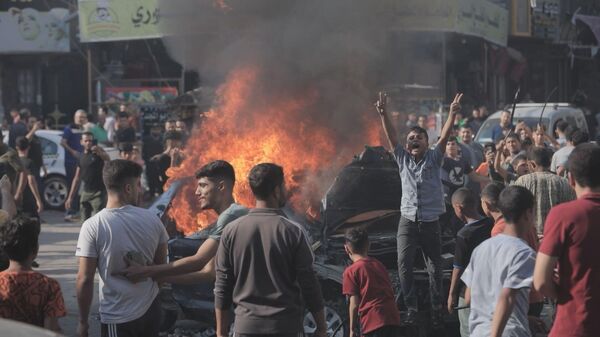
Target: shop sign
x: 114, y: 20
x: 470, y: 17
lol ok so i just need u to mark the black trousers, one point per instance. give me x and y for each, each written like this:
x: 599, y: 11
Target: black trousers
x: 385, y: 331
x: 299, y: 334
x: 146, y: 326
x: 411, y: 235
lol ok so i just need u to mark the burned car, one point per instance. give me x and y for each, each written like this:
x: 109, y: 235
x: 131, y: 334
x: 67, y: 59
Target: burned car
x: 366, y: 193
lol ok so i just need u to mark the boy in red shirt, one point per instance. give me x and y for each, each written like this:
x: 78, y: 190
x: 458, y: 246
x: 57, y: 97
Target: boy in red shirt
x: 25, y: 295
x: 368, y: 285
x: 571, y: 243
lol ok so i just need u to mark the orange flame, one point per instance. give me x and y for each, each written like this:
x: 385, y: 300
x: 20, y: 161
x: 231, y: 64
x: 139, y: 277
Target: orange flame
x: 245, y: 129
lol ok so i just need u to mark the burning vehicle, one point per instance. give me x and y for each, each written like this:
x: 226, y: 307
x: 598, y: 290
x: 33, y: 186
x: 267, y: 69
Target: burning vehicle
x: 365, y: 193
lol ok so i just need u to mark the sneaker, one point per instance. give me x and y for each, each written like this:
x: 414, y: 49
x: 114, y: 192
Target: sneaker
x: 71, y: 218
x: 411, y: 317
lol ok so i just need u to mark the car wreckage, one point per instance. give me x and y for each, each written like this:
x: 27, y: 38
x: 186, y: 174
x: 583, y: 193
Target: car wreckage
x: 366, y: 193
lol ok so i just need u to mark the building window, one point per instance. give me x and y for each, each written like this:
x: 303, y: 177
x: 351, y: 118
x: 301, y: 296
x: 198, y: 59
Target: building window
x: 26, y: 86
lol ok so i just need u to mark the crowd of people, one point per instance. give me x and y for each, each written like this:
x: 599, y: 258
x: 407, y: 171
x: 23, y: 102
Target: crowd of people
x: 522, y: 243
x: 522, y: 210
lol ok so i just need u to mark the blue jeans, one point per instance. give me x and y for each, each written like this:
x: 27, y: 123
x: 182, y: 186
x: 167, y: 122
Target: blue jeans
x: 411, y: 235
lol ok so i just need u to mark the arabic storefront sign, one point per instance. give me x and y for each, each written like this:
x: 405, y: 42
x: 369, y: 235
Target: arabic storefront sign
x: 471, y: 17
x: 113, y: 20
x: 33, y: 30
x: 484, y: 19
x: 139, y: 94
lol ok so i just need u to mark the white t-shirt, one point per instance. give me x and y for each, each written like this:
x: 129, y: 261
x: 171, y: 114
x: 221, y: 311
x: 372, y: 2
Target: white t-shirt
x: 500, y: 262
x: 109, y: 236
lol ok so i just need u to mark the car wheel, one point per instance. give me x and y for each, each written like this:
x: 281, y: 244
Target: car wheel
x: 336, y: 324
x: 55, y: 192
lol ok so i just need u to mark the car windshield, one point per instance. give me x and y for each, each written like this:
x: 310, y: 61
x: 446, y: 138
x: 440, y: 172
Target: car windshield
x: 485, y: 132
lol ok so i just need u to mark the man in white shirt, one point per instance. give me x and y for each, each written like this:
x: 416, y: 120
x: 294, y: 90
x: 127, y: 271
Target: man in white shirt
x: 120, y: 235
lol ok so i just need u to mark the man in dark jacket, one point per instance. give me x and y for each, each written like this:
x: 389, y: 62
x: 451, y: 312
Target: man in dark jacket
x: 264, y: 267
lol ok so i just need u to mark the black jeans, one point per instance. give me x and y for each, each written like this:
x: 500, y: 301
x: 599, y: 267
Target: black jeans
x: 145, y: 326
x: 411, y: 235
x: 385, y: 331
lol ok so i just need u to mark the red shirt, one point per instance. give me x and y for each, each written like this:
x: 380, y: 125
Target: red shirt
x: 30, y: 297
x: 369, y: 280
x: 572, y: 234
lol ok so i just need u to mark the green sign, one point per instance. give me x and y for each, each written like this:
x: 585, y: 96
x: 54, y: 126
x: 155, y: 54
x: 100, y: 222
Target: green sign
x: 114, y: 20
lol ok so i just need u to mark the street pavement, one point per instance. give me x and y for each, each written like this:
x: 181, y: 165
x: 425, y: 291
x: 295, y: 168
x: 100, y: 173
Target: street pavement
x: 57, y: 260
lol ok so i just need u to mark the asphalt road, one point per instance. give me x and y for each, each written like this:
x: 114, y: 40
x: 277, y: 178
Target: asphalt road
x: 57, y: 260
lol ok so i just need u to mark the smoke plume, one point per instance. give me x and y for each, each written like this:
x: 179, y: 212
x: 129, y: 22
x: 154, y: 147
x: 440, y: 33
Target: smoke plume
x: 334, y: 49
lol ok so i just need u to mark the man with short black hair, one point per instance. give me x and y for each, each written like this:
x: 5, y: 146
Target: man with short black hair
x: 561, y: 128
x: 71, y: 141
x: 263, y: 255
x: 500, y: 272
x: 475, y: 230
x: 215, y: 191
x: 153, y: 145
x: 10, y: 165
x: 35, y: 150
x: 18, y: 128
x: 28, y: 197
x: 515, y: 164
x: 172, y: 156
x: 571, y: 241
x: 421, y: 206
x: 89, y: 172
x: 548, y: 188
x: 119, y: 236
x: 125, y: 132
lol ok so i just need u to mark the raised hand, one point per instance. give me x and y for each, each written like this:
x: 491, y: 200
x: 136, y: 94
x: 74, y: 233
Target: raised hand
x: 455, y: 105
x: 381, y: 103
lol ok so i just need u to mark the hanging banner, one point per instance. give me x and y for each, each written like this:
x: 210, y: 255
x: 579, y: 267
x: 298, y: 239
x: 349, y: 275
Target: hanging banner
x: 115, y: 20
x: 27, y: 29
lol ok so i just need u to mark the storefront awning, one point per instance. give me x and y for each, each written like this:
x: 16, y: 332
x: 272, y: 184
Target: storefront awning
x: 591, y: 21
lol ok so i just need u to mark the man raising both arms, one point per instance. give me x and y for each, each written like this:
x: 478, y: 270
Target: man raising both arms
x: 421, y: 205
x: 215, y: 191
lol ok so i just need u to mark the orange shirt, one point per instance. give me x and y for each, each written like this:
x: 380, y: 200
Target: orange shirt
x: 30, y: 297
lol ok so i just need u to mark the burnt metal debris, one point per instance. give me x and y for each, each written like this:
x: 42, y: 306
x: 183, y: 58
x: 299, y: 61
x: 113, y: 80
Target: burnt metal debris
x: 365, y: 193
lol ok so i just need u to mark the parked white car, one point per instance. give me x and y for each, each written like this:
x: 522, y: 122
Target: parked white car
x: 55, y: 189
x: 530, y: 114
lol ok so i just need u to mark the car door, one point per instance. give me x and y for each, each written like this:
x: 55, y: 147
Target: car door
x: 49, y: 152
